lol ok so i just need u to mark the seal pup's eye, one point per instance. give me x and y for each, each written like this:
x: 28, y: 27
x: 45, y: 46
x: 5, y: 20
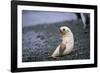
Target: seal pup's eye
x: 63, y: 29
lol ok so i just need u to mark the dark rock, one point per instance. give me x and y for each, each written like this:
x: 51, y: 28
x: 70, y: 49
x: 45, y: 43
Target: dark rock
x: 41, y: 37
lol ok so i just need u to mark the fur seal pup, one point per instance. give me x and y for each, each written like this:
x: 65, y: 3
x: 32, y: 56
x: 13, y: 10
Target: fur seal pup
x: 67, y: 44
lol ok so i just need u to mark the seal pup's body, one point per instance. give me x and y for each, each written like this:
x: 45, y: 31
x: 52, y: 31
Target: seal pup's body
x: 66, y: 46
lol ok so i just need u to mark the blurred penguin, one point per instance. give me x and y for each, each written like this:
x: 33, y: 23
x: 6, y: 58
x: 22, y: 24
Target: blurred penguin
x: 85, y: 18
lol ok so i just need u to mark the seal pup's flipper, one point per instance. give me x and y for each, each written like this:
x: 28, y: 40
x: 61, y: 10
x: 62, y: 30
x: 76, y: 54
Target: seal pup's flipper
x: 62, y: 49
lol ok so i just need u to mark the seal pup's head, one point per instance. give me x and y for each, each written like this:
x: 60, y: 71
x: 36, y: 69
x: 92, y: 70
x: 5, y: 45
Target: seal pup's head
x: 64, y: 30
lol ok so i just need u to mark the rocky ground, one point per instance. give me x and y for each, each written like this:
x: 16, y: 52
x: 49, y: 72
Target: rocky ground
x: 39, y: 41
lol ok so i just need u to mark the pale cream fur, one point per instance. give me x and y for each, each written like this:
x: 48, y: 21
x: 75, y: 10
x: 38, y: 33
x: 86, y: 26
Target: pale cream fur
x: 67, y: 39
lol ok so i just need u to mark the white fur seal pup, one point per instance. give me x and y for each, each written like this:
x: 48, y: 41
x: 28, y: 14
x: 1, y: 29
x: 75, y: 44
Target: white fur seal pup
x: 67, y: 44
